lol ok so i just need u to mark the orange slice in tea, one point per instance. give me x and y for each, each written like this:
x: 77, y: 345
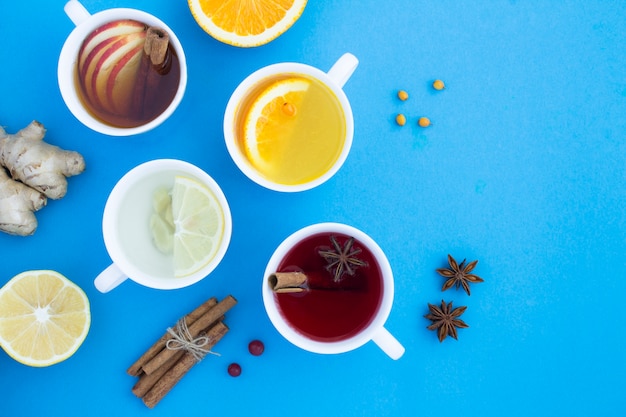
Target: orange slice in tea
x: 246, y: 23
x: 271, y: 118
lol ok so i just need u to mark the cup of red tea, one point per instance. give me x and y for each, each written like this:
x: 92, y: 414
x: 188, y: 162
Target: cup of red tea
x: 289, y: 126
x: 328, y: 288
x: 121, y: 71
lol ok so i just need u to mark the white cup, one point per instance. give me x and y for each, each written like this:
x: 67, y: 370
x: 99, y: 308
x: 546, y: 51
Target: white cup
x: 66, y: 72
x: 374, y: 331
x: 127, y: 235
x: 334, y: 79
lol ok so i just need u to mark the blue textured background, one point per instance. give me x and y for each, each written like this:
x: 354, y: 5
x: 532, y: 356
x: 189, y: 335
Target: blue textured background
x: 522, y: 169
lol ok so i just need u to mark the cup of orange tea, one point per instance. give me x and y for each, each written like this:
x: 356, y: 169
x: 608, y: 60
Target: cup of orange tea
x: 121, y: 71
x: 289, y: 126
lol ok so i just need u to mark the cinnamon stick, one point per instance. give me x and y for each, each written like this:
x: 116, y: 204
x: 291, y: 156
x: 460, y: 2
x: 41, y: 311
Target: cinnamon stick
x: 287, y: 282
x: 135, y: 368
x: 294, y: 282
x: 145, y: 381
x: 198, y: 326
x: 174, y: 374
x: 155, y: 61
x: 156, y: 45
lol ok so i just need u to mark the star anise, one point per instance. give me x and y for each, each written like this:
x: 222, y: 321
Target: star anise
x: 459, y: 275
x: 342, y: 259
x: 445, y: 319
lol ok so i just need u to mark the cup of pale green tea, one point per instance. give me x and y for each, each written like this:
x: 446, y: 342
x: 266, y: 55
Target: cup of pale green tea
x: 289, y: 126
x: 121, y: 71
x: 166, y: 225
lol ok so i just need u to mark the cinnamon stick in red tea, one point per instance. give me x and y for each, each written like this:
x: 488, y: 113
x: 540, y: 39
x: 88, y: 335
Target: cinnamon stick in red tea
x: 203, y: 322
x: 288, y: 282
x: 293, y: 282
x: 135, y: 368
x: 180, y: 368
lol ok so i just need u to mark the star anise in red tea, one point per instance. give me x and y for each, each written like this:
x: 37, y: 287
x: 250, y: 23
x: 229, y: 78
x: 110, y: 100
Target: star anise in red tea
x: 445, y: 319
x: 459, y: 275
x: 341, y: 259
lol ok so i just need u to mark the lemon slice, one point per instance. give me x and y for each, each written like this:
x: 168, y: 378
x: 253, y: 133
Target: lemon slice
x: 246, y: 23
x: 199, y: 225
x: 162, y: 234
x: 271, y: 119
x: 44, y: 318
x: 162, y: 221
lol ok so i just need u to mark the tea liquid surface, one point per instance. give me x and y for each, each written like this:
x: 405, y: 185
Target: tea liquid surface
x: 297, y: 137
x: 330, y: 311
x: 133, y: 226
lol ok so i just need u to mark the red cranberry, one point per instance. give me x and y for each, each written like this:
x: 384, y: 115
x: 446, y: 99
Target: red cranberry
x: 256, y: 347
x: 234, y: 369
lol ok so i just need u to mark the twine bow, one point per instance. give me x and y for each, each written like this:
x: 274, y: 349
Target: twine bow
x: 182, y: 339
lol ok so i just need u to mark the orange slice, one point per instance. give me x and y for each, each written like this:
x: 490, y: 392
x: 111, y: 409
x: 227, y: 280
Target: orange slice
x: 246, y: 23
x: 271, y: 118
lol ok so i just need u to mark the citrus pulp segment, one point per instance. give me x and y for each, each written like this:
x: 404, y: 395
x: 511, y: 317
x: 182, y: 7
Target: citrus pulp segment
x: 199, y: 225
x: 162, y: 220
x: 270, y: 119
x: 162, y: 233
x: 44, y: 318
x: 246, y: 23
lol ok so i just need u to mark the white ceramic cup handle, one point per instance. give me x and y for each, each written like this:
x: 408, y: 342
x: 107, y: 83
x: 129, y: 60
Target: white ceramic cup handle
x: 388, y: 343
x: 76, y: 12
x: 342, y: 70
x: 109, y: 278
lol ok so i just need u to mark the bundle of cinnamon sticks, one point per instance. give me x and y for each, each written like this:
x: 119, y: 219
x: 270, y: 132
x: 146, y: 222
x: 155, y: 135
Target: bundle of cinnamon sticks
x: 181, y: 347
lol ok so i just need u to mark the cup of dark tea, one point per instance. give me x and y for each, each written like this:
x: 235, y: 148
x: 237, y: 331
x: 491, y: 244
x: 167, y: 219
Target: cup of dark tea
x: 328, y: 288
x: 121, y: 71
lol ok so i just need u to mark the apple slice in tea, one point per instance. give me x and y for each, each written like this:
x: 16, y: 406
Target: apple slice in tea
x: 118, y: 82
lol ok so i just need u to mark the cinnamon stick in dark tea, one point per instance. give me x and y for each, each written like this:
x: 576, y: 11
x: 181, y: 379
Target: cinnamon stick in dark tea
x: 155, y: 62
x: 156, y: 47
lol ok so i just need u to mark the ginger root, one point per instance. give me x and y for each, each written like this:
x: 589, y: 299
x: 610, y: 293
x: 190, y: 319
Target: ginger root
x: 18, y: 202
x: 37, y: 170
x: 36, y: 163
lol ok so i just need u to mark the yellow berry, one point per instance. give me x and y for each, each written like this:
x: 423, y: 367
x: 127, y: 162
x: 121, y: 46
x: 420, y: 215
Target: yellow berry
x: 423, y: 121
x: 403, y: 95
x: 438, y: 85
x: 400, y: 120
